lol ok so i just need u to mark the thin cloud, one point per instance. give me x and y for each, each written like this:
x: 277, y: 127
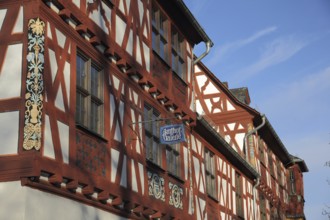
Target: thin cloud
x: 222, y: 51
x: 302, y: 102
x: 278, y: 51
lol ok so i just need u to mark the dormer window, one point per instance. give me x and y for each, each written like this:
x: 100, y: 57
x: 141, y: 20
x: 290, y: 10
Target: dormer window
x: 160, y: 34
x: 168, y: 43
x: 178, y: 60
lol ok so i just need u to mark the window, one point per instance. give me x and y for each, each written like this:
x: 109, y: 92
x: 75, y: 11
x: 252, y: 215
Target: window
x: 263, y: 213
x: 270, y: 163
x: 210, y: 173
x: 159, y: 33
x: 261, y: 150
x: 178, y: 64
x: 279, y: 173
x: 292, y: 183
x: 151, y: 129
x: 172, y: 159
x: 89, y: 99
x: 239, y: 196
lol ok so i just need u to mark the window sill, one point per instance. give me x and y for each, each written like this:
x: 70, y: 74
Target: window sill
x: 213, y: 198
x: 156, y: 55
x: 152, y: 165
x: 179, y: 78
x: 90, y: 132
x: 179, y: 179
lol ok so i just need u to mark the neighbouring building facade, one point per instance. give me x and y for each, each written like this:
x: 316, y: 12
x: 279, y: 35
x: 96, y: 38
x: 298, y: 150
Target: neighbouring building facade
x: 86, y: 87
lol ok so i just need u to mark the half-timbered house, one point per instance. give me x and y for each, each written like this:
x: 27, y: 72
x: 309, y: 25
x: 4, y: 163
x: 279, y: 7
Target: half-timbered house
x: 86, y: 85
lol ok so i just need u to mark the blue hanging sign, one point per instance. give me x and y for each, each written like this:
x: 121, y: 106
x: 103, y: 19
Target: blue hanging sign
x: 172, y: 134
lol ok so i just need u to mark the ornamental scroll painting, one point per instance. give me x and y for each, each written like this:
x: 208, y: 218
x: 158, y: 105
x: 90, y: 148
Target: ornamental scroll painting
x: 34, y: 85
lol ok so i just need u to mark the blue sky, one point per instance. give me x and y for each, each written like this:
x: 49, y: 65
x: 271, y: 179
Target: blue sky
x: 280, y: 50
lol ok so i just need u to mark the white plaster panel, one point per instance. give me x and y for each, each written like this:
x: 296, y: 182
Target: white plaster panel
x: 201, y: 79
x: 116, y: 82
x: 199, y: 148
x: 129, y: 46
x: 208, y: 104
x: 2, y: 16
x: 53, y: 63
x: 244, y: 186
x: 114, y: 164
x: 193, y: 143
x: 98, y: 18
x: 239, y: 139
x: 225, y: 168
x: 245, y: 211
x: 60, y: 38
x: 240, y: 126
x: 59, y: 103
x: 229, y: 197
x: 231, y: 126
x: 230, y: 107
x: 121, y: 6
x: 18, y: 28
x: 128, y: 3
x: 223, y: 215
x: 199, y: 108
x: 48, y: 144
x: 76, y: 2
x: 185, y: 160
x: 141, y: 171
x: 123, y: 177
x: 63, y: 131
x: 138, y: 144
x: 67, y: 78
x: 197, y: 69
x: 189, y: 63
x: 202, y: 181
x: 121, y: 111
x: 145, y: 31
x: 9, y: 123
x: 233, y: 176
x: 196, y: 169
x: 141, y: 11
x: 134, y: 177
x: 223, y: 195
x: 201, y: 209
x: 120, y: 30
x: 234, y: 202
x: 211, y: 89
x: 117, y: 132
x: 249, y: 187
x: 138, y: 50
x: 49, y: 33
x: 220, y: 164
x: 112, y: 110
x: 11, y: 72
x: 146, y: 51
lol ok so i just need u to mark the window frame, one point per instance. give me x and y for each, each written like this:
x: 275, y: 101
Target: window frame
x: 160, y: 32
x: 210, y: 173
x: 151, y: 124
x: 173, y: 165
x: 89, y: 94
x: 178, y: 54
x: 239, y: 195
